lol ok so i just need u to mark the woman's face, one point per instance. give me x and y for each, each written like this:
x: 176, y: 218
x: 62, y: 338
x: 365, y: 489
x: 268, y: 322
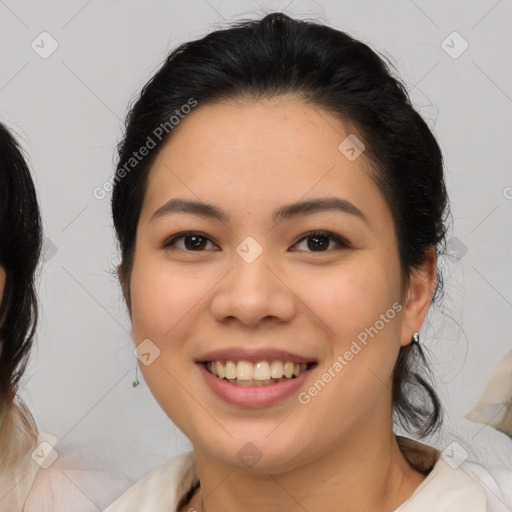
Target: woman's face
x: 255, y: 286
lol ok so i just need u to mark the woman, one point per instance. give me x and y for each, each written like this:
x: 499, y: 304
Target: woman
x: 32, y: 471
x: 20, y: 247
x: 280, y: 207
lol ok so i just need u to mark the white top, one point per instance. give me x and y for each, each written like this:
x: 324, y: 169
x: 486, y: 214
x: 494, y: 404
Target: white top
x: 447, y: 488
x: 16, y: 483
x: 494, y: 407
x: 47, y: 481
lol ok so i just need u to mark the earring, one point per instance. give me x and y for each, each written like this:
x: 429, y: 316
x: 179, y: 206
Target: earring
x: 136, y: 382
x: 415, y: 339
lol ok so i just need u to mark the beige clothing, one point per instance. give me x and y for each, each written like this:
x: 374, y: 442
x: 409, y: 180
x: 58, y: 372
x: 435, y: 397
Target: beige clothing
x: 15, y: 485
x: 494, y: 407
x: 47, y: 481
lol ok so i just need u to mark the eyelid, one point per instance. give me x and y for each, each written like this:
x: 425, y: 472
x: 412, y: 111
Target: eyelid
x: 339, y: 240
x: 182, y: 234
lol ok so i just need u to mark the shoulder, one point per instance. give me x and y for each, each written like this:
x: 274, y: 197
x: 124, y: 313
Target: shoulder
x: 62, y: 484
x: 456, y: 483
x: 446, y: 489
x: 485, y: 455
x: 497, y: 483
x: 162, y: 488
x: 469, y: 487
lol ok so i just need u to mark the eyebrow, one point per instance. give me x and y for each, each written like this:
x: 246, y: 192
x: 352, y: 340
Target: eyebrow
x: 292, y: 210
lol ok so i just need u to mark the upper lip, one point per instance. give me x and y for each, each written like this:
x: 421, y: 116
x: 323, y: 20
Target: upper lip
x: 253, y: 355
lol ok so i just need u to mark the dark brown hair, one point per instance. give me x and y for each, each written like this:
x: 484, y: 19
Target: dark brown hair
x: 20, y: 247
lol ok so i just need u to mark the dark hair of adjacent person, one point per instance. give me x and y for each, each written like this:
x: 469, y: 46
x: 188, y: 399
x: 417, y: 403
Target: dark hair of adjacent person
x: 20, y: 247
x: 329, y: 70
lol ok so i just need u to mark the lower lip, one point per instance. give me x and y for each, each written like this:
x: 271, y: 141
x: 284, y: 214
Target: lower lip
x: 253, y: 396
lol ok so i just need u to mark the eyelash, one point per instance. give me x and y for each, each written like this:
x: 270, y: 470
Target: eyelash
x: 341, y: 242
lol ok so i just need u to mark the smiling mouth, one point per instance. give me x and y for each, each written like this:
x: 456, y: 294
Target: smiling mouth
x: 261, y: 373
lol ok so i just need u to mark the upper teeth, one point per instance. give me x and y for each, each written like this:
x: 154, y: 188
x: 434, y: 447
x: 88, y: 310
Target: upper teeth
x: 262, y: 370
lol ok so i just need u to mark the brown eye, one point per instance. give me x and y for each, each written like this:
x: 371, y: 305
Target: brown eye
x: 192, y: 242
x: 321, y: 240
x: 318, y: 242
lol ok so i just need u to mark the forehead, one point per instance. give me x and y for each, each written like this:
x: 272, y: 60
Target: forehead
x: 275, y: 131
x: 261, y: 153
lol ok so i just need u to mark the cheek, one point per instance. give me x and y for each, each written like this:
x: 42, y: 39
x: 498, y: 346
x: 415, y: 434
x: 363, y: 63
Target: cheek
x: 352, y: 296
x: 160, y: 302
x: 159, y: 299
x: 359, y: 304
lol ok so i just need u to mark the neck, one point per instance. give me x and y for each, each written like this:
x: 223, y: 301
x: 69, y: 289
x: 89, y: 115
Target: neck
x: 359, y: 475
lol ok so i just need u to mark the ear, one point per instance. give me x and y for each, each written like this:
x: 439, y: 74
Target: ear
x: 125, y: 286
x: 418, y: 296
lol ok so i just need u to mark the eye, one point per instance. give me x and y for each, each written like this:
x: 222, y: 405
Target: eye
x: 193, y: 241
x: 319, y: 241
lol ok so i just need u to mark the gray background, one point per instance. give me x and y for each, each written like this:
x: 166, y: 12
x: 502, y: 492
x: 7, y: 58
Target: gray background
x: 68, y: 108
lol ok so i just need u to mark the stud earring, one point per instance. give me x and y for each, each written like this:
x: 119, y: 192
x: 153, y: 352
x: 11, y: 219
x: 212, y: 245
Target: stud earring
x: 415, y: 339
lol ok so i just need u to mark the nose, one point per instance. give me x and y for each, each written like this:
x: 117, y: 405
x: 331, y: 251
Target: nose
x: 253, y: 293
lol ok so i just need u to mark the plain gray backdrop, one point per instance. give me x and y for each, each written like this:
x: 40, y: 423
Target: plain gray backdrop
x: 67, y: 109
